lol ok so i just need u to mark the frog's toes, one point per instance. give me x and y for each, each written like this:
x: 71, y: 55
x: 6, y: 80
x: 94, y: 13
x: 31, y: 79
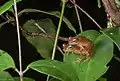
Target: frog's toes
x: 79, y: 60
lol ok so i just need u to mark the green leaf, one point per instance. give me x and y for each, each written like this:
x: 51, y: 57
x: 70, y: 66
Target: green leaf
x: 25, y: 79
x: 44, y: 45
x: 99, y: 3
x: 54, y: 13
x: 90, y: 34
x: 103, y: 49
x: 6, y: 61
x: 70, y: 70
x: 44, y: 26
x: 102, y: 79
x: 96, y: 66
x: 54, y: 79
x: 5, y: 76
x: 7, y: 6
x: 113, y: 34
x: 60, y: 70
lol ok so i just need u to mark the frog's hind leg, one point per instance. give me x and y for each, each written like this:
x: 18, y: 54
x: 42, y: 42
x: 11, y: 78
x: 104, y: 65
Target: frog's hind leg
x: 88, y: 57
x: 89, y: 54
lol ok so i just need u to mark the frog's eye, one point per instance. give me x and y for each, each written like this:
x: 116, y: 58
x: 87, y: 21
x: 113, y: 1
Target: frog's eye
x: 63, y: 45
x: 74, y: 40
x: 70, y: 46
x: 70, y: 38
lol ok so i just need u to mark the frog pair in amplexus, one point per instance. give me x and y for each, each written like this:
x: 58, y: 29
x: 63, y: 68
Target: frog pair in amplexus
x: 79, y: 45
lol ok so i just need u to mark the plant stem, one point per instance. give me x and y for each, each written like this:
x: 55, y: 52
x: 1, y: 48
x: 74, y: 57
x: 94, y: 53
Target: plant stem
x: 19, y: 43
x: 57, y: 34
x: 87, y: 14
x: 117, y: 58
x: 3, y: 23
x: 58, y: 30
x: 78, y: 17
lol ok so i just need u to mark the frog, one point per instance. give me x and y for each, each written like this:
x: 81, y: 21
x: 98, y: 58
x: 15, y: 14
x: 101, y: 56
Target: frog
x: 73, y: 48
x: 81, y: 41
x: 79, y: 45
x: 77, y: 50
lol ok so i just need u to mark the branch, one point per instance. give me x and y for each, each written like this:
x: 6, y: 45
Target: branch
x: 45, y: 35
x: 86, y: 14
x: 78, y: 17
x: 19, y: 43
x: 112, y: 10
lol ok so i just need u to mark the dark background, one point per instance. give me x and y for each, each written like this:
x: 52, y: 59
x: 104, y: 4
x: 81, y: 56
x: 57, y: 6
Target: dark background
x: 8, y: 35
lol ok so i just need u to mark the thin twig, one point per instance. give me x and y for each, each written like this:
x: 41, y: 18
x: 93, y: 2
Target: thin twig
x: 86, y: 14
x: 25, y: 70
x: 3, y: 17
x: 3, y: 23
x: 117, y: 58
x: 19, y: 43
x: 60, y: 49
x: 36, y: 24
x: 78, y: 17
x: 45, y: 35
x: 16, y: 70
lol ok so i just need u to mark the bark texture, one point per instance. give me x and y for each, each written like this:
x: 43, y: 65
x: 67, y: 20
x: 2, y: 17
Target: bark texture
x: 112, y: 11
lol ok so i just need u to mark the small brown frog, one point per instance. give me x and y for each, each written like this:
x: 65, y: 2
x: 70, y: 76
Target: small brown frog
x: 77, y: 50
x: 74, y: 49
x: 81, y: 41
x: 79, y: 45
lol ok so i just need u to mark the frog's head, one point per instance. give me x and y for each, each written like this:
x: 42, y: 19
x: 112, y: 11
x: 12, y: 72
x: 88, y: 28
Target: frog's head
x: 68, y: 48
x: 73, y: 40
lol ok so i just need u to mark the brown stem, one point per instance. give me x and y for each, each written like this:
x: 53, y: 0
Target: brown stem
x: 112, y: 10
x: 113, y: 5
x: 46, y: 35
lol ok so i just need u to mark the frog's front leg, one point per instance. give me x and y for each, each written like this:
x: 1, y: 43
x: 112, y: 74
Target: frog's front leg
x: 79, y: 60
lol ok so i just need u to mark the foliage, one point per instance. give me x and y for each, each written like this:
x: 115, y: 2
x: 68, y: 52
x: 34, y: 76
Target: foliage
x: 113, y: 34
x: 5, y: 76
x: 68, y: 69
x: 6, y: 61
x: 25, y: 79
x: 99, y: 3
x: 86, y: 71
x: 102, y: 79
x: 7, y: 6
x: 53, y: 13
x: 44, y: 45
